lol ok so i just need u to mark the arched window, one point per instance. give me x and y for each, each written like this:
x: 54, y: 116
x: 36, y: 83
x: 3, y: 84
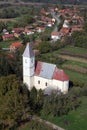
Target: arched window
x: 38, y: 81
x: 46, y: 84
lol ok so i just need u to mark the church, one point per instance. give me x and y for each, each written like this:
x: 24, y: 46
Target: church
x: 42, y: 75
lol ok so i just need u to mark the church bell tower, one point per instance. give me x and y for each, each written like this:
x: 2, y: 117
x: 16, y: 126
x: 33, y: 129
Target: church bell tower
x: 28, y: 66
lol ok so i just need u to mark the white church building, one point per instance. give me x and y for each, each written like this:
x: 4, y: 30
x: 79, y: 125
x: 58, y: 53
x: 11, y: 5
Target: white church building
x: 43, y: 75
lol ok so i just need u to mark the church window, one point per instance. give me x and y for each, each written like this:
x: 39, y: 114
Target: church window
x: 38, y: 81
x: 46, y: 84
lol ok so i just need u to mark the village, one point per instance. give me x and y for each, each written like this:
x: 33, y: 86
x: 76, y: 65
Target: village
x: 70, y: 18
x: 43, y: 67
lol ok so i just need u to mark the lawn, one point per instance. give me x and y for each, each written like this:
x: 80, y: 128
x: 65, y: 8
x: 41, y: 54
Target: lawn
x: 75, y: 120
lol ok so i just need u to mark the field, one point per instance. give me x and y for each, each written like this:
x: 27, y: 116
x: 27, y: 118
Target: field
x: 78, y: 64
x: 74, y: 50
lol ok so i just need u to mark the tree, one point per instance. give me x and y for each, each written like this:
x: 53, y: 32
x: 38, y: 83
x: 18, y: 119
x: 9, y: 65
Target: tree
x: 33, y: 99
x: 2, y: 25
x: 44, y: 47
x: 45, y: 36
x: 58, y: 104
x: 85, y: 27
x: 14, y: 100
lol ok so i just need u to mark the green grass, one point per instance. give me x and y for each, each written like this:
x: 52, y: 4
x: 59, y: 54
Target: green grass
x: 84, y: 65
x: 76, y: 120
x: 76, y: 76
x: 74, y: 50
x: 5, y: 44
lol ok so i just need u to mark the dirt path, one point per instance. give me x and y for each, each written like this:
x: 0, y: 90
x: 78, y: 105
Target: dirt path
x: 55, y: 127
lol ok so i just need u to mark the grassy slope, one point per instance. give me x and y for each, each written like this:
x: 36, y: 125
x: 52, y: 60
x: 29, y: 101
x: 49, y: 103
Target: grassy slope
x: 72, y: 74
x: 76, y: 120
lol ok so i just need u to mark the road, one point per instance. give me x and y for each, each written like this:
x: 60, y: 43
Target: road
x: 57, y: 20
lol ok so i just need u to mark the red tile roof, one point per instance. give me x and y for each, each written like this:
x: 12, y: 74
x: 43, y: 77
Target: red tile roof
x: 8, y: 35
x: 38, y: 68
x: 55, y: 33
x: 17, y: 29
x: 76, y: 28
x: 17, y: 44
x: 60, y: 75
x: 65, y: 30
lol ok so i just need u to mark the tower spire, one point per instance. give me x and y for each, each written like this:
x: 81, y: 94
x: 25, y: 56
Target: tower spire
x: 28, y: 51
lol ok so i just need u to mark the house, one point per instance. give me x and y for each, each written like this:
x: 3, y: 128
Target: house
x: 40, y: 29
x: 17, y: 30
x: 15, y: 46
x: 66, y: 24
x: 43, y: 12
x: 7, y: 37
x: 28, y: 32
x: 49, y: 24
x: 76, y: 28
x: 5, y: 31
x: 42, y: 75
x: 55, y: 35
x: 64, y: 31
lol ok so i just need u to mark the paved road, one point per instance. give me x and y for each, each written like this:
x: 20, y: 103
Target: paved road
x: 57, y: 19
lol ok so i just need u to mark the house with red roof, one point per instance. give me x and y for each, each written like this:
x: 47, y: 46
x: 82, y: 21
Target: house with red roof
x: 76, y: 28
x: 17, y: 30
x: 65, y: 31
x: 55, y: 36
x: 28, y: 32
x: 42, y: 75
x: 40, y: 29
x: 15, y: 46
x: 7, y: 37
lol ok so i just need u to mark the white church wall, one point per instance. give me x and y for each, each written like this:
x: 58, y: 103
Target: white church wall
x: 58, y: 84
x: 28, y: 62
x: 42, y: 83
x: 55, y: 37
x: 29, y: 82
x: 28, y: 71
x: 66, y: 86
